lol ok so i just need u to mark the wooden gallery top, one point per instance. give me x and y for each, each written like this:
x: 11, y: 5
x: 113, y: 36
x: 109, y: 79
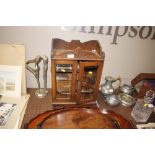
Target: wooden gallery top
x: 76, y: 70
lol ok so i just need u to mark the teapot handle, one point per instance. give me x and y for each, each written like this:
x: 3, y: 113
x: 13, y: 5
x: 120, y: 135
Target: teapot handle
x: 120, y: 81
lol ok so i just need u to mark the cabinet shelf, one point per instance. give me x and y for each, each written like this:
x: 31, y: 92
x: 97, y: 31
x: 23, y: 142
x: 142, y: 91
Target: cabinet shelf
x: 64, y: 72
x: 65, y: 80
x: 87, y: 91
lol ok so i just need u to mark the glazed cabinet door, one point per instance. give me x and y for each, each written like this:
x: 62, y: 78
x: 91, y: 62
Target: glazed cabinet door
x: 63, y: 81
x: 88, y: 81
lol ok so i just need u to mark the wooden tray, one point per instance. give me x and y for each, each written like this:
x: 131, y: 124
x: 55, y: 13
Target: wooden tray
x: 79, y: 117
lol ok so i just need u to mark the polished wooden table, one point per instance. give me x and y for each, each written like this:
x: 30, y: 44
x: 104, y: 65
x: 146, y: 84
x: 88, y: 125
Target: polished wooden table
x: 37, y: 106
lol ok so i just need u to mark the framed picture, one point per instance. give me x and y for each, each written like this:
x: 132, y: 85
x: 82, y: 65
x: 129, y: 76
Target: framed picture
x: 10, y: 80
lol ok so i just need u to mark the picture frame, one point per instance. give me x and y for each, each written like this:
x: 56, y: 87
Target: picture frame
x: 10, y: 80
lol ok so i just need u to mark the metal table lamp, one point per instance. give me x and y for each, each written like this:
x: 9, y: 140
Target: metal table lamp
x: 40, y: 92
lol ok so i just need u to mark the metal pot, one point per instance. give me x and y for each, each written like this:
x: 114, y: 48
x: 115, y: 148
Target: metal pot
x: 107, y: 87
x: 112, y: 100
x: 126, y: 99
x: 126, y: 89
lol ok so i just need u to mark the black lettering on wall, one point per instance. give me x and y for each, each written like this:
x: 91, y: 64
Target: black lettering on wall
x: 153, y: 37
x: 83, y: 29
x: 101, y: 30
x: 109, y: 30
x: 134, y: 32
x: 92, y: 29
x: 116, y: 34
x: 142, y: 30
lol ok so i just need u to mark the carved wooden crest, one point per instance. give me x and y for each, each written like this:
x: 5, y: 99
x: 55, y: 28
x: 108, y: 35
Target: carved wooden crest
x: 90, y: 50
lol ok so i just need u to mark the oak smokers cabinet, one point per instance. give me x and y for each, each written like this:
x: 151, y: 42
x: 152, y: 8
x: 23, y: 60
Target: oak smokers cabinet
x: 76, y: 71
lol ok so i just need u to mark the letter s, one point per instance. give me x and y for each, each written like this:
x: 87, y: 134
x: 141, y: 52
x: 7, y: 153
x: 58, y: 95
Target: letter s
x: 134, y: 30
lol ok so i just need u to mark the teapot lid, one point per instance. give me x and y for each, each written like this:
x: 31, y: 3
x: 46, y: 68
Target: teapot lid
x: 126, y: 86
x: 109, y: 78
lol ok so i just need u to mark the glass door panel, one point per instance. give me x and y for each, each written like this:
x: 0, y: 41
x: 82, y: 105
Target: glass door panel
x: 63, y: 80
x: 64, y: 68
x: 89, y: 81
x: 89, y: 77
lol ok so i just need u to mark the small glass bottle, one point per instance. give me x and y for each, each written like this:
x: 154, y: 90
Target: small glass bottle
x: 143, y: 108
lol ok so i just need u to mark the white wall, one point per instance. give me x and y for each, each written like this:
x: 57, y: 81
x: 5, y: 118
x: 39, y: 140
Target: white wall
x: 128, y: 58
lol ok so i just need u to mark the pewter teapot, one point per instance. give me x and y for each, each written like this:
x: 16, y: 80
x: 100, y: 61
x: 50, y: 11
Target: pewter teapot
x: 126, y: 89
x: 107, y: 87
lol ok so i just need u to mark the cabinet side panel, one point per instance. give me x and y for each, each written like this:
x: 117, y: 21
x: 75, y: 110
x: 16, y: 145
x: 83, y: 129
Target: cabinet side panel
x: 53, y: 80
x: 98, y: 79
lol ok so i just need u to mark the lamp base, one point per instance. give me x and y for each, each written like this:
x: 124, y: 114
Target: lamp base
x: 41, y: 93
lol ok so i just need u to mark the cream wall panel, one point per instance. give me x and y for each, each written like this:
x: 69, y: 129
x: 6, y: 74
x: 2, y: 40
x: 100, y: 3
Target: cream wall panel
x: 126, y: 59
